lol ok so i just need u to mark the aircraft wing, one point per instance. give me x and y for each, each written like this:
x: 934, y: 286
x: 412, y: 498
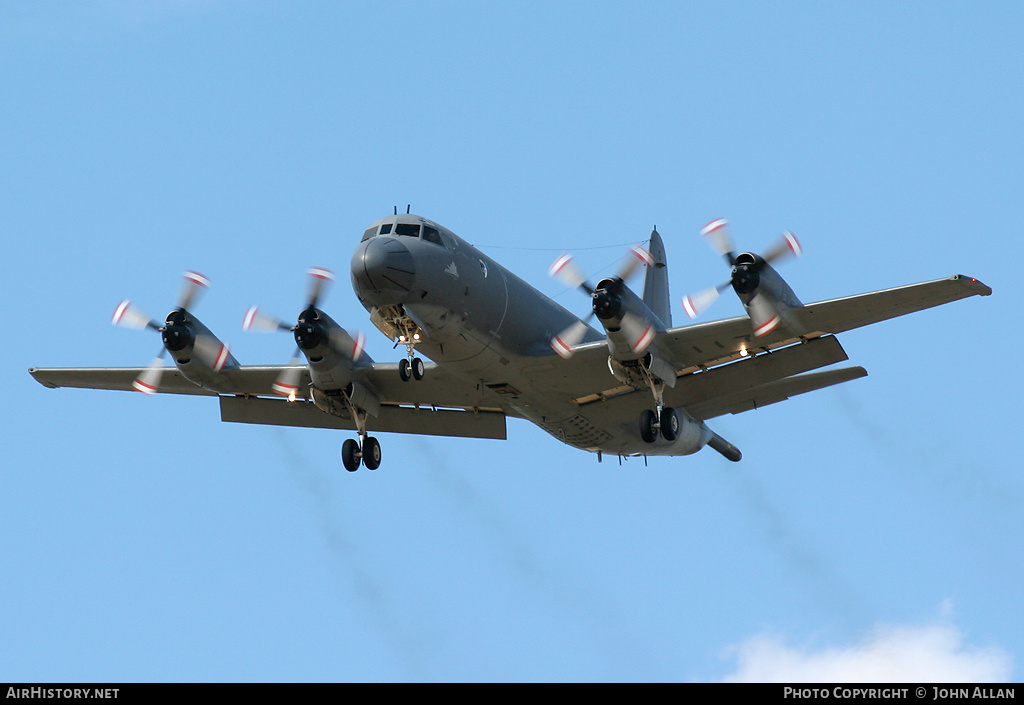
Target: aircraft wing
x: 720, y: 341
x: 749, y: 383
x: 850, y: 312
x: 703, y: 347
x: 245, y: 380
x: 440, y: 404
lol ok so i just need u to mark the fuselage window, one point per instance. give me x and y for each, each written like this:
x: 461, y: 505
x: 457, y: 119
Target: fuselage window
x: 431, y: 235
x: 385, y: 228
x: 409, y: 229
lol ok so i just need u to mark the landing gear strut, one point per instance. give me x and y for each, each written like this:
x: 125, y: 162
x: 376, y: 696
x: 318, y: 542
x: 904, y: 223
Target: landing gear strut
x: 366, y: 450
x: 662, y: 419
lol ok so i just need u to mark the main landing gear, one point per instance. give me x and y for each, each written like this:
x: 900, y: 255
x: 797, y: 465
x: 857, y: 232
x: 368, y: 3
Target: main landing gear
x: 662, y: 419
x: 365, y: 451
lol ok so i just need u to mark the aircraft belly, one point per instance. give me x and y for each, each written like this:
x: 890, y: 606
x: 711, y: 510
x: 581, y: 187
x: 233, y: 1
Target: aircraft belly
x: 621, y: 431
x: 606, y: 430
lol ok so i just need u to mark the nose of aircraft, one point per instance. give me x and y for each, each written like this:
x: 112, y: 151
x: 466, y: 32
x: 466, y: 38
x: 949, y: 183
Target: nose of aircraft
x: 383, y: 265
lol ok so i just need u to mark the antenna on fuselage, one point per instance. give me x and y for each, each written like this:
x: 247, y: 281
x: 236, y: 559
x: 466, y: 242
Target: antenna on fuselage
x: 396, y: 210
x: 407, y: 208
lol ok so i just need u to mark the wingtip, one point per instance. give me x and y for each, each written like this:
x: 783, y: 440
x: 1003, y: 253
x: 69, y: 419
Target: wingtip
x: 37, y: 376
x: 976, y: 286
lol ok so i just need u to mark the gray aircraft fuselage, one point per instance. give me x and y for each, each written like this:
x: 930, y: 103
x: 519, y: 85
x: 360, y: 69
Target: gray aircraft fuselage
x: 483, y: 323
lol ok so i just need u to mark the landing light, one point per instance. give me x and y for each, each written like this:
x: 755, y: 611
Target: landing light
x: 291, y: 397
x: 743, y: 352
x: 416, y: 336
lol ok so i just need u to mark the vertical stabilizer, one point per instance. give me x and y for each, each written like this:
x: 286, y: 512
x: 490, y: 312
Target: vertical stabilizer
x: 656, y: 281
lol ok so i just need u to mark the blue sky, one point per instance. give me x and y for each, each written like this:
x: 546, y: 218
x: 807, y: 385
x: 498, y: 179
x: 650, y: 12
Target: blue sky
x: 871, y: 531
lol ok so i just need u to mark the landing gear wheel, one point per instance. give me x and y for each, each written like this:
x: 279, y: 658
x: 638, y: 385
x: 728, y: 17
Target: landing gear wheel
x: 648, y: 421
x: 417, y: 368
x: 403, y: 369
x: 350, y: 455
x: 371, y: 453
x: 669, y: 424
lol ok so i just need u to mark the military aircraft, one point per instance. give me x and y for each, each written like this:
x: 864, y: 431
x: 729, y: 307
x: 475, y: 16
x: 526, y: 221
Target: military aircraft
x: 499, y: 348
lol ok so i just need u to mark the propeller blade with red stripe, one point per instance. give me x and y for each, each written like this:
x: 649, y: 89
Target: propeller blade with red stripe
x: 787, y: 245
x: 639, y: 333
x: 148, y: 381
x: 763, y: 315
x: 564, y: 342
x: 128, y: 315
x: 696, y: 304
x: 287, y: 383
x: 319, y: 279
x: 257, y: 320
x: 719, y: 237
x: 194, y: 282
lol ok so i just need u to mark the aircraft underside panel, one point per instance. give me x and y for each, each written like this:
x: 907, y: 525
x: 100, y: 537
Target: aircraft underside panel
x: 393, y: 419
x: 577, y: 431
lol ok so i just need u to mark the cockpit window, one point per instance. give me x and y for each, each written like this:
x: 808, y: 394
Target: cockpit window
x: 370, y: 232
x: 385, y: 228
x: 409, y: 229
x: 431, y: 235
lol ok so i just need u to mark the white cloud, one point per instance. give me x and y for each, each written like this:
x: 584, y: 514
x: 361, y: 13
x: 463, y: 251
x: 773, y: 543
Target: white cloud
x: 890, y: 654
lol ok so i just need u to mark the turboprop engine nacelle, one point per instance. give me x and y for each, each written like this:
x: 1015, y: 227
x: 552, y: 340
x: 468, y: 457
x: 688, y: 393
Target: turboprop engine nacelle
x: 332, y: 353
x: 627, y: 320
x: 197, y: 352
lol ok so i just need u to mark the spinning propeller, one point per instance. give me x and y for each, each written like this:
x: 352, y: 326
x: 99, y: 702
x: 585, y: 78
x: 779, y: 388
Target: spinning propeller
x: 181, y: 333
x: 746, y: 279
x: 313, y: 329
x: 606, y: 303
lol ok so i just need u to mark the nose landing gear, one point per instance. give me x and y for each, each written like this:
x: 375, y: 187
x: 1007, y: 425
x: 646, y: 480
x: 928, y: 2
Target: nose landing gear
x: 410, y: 367
x: 399, y: 326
